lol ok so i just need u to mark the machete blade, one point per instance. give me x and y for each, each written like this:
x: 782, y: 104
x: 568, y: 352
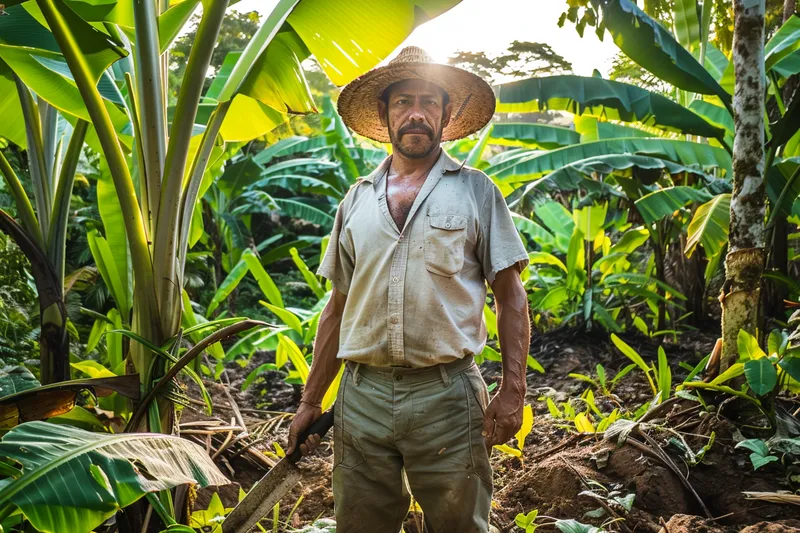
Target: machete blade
x: 266, y: 493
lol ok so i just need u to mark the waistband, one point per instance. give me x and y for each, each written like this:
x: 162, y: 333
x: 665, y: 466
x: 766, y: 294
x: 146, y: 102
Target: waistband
x: 409, y: 375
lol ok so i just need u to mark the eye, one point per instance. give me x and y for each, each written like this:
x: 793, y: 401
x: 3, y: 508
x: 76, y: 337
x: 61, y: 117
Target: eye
x: 401, y: 101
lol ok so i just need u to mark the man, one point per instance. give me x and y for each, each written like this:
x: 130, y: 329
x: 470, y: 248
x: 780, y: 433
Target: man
x: 412, y: 248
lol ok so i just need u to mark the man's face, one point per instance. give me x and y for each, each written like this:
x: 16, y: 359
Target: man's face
x: 415, y: 115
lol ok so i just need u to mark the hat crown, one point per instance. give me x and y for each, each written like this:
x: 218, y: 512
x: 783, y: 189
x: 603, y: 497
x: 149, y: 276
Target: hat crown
x: 412, y: 54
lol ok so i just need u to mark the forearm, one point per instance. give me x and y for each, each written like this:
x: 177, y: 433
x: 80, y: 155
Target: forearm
x: 514, y: 332
x: 325, y: 365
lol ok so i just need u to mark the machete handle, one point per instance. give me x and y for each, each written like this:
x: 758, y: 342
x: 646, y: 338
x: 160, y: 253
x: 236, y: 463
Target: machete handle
x: 320, y: 427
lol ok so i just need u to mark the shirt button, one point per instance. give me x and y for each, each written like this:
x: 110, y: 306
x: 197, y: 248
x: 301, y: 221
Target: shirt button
x: 399, y: 378
x: 395, y: 279
x: 447, y: 225
x: 393, y: 320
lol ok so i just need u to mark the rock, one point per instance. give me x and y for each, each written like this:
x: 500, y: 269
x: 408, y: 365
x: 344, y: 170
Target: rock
x: 783, y: 526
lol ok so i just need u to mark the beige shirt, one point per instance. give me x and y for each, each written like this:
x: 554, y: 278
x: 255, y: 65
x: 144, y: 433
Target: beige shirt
x: 415, y: 296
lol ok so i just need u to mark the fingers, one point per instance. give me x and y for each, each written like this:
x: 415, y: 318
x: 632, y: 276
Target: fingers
x: 501, y: 434
x: 488, y: 424
x: 311, y: 444
x: 292, y: 440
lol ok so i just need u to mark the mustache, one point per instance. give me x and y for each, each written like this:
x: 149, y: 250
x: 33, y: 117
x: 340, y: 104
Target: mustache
x: 416, y: 128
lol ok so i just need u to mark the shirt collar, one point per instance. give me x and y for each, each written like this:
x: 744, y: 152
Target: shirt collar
x: 447, y: 164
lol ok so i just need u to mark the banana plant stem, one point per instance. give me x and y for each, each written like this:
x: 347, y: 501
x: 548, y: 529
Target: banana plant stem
x: 151, y: 98
x: 134, y: 227
x: 57, y: 239
x: 24, y: 208
x: 168, y: 283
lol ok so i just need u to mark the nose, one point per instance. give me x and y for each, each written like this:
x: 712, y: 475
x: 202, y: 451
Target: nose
x: 416, y: 114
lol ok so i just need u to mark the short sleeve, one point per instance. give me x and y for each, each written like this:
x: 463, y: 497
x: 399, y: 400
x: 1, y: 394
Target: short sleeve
x: 499, y: 244
x: 337, y: 265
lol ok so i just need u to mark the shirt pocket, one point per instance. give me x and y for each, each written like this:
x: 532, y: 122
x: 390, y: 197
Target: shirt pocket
x: 445, y: 236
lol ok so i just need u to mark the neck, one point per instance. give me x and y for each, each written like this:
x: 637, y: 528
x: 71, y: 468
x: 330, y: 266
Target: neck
x: 407, y: 166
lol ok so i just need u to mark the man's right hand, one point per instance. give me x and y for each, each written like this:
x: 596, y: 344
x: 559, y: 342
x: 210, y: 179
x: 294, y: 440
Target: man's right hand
x: 306, y: 415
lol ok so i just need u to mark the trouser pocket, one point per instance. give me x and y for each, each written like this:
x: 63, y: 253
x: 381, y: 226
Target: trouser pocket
x: 346, y: 451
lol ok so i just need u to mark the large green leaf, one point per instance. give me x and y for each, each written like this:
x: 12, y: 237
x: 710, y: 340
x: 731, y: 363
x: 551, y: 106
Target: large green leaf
x: 277, y: 78
x: 349, y: 38
x: 12, y: 127
x: 231, y: 281
x: 710, y: 225
x: 612, y: 100
x: 785, y: 42
x: 761, y: 375
x: 714, y: 114
x: 98, y: 50
x: 596, y: 129
x: 525, y: 165
x: 663, y: 202
x: 304, y: 211
x: 265, y: 282
x: 577, y: 175
x: 47, y: 74
x: 532, y: 135
x: 16, y: 379
x: 238, y: 176
x: 687, y: 25
x: 114, y: 229
x: 107, y: 266
x: 653, y: 47
x: 74, y: 480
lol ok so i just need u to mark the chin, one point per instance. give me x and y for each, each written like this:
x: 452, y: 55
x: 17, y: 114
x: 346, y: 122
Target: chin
x: 417, y: 150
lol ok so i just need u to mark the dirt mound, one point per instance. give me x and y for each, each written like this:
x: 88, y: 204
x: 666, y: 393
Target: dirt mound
x: 788, y: 526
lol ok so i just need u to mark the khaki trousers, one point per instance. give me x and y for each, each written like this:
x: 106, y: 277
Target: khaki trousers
x: 424, y: 422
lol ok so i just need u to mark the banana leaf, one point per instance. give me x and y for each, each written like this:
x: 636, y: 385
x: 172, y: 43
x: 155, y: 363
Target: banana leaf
x: 594, y: 129
x: 16, y: 379
x: 687, y: 24
x: 576, y: 175
x: 653, y: 47
x: 663, y: 202
x: 74, y: 480
x: 47, y: 401
x: 785, y: 42
x: 716, y: 115
x: 238, y: 176
x: 612, y: 100
x: 710, y: 226
x: 349, y: 38
x: 532, y: 135
x: 528, y: 165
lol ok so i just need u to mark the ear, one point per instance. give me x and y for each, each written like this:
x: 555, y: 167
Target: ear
x: 448, y: 112
x: 382, y: 110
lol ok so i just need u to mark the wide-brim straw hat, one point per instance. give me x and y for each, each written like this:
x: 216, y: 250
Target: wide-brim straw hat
x: 472, y: 98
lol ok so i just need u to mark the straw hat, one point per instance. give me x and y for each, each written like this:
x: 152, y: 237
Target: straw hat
x: 472, y: 98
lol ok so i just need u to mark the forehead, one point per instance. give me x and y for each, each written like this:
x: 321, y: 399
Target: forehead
x: 415, y: 87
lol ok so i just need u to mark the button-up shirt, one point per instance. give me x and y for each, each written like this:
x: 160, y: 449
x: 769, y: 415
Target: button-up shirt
x: 415, y: 295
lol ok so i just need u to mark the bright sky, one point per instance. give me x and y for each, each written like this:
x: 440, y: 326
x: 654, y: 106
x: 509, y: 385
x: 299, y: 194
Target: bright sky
x: 491, y: 25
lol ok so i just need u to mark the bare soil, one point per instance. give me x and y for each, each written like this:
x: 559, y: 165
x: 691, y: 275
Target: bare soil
x: 558, y: 467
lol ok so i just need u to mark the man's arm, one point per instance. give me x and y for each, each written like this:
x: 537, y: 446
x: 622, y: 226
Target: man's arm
x: 503, y: 416
x: 324, y: 368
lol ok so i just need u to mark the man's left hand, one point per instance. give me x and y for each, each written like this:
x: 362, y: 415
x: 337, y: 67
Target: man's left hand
x: 503, y: 417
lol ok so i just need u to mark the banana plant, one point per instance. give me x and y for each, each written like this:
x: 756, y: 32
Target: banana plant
x: 626, y: 130
x: 53, y: 149
x: 171, y: 152
x: 69, y: 479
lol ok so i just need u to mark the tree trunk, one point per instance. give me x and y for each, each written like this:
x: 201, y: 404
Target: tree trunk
x: 745, y: 260
x: 53, y: 339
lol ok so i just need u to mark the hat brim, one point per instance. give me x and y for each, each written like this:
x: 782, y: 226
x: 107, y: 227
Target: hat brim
x: 472, y: 98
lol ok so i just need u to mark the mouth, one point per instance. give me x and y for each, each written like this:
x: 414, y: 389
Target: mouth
x: 416, y: 132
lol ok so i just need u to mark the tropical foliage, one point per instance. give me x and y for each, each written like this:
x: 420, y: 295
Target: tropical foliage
x: 168, y: 196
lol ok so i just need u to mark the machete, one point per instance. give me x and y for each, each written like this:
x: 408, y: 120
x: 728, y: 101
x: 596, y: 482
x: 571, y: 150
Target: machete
x: 275, y: 483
